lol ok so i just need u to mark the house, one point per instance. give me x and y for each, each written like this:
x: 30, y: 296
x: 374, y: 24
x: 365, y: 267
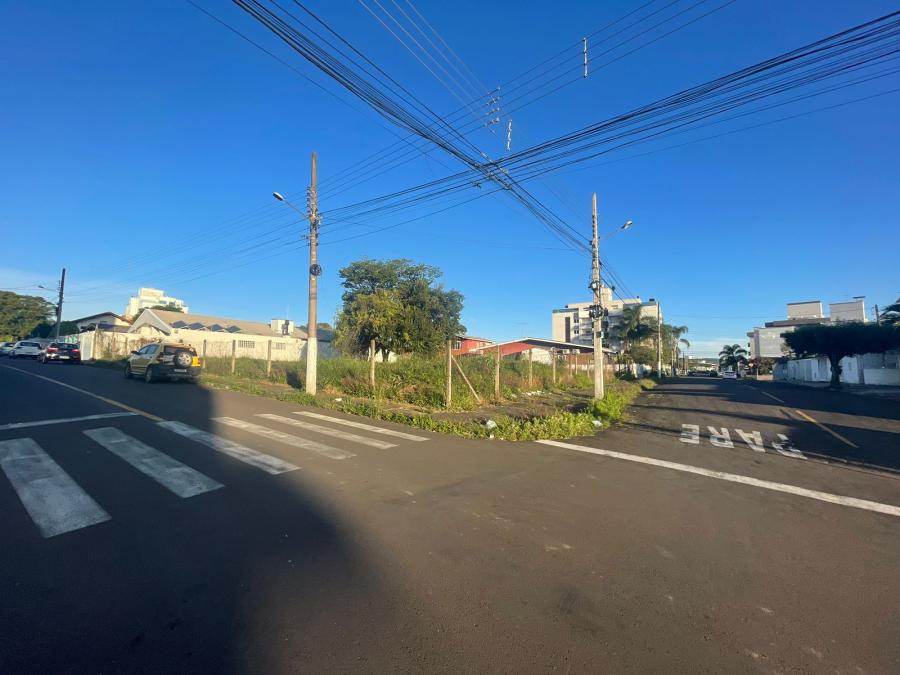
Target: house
x: 462, y: 344
x: 768, y: 340
x: 215, y: 336
x: 107, y: 321
x: 542, y: 350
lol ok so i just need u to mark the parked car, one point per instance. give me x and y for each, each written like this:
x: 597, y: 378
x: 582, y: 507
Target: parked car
x: 164, y: 360
x: 26, y: 349
x: 6, y: 348
x: 729, y: 375
x: 63, y: 352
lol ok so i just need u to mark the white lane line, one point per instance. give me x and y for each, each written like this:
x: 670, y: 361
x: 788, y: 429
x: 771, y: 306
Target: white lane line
x: 168, y: 472
x: 361, y: 425
x: 824, y: 428
x: 735, y: 478
x: 765, y: 393
x: 281, y: 437
x: 112, y: 402
x: 242, y: 453
x: 753, y: 439
x: 690, y: 433
x: 64, y: 420
x: 337, y: 433
x: 720, y: 437
x: 54, y: 501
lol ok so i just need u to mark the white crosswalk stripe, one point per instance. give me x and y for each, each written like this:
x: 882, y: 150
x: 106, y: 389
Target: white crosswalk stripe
x: 337, y: 433
x: 362, y: 425
x: 168, y: 472
x: 242, y: 453
x: 54, y: 501
x: 288, y: 439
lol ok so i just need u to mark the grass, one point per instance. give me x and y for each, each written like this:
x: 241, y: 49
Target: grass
x: 411, y: 389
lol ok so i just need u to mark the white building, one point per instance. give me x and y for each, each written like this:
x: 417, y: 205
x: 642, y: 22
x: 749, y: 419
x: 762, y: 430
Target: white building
x: 572, y: 323
x: 768, y: 342
x: 151, y: 297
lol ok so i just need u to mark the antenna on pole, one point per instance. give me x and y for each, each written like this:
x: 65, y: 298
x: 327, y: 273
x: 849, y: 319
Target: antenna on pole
x: 584, y: 51
x: 509, y: 134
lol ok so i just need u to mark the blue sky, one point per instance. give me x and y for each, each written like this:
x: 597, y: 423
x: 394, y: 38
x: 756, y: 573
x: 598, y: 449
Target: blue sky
x: 141, y: 143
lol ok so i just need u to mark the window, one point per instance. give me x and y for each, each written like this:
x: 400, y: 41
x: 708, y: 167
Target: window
x: 246, y: 344
x: 279, y: 346
x: 456, y: 344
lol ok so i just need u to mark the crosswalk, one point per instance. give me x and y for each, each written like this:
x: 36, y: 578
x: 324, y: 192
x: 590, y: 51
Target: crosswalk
x: 57, y: 504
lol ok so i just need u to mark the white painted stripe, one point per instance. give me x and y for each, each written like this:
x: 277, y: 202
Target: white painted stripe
x: 753, y: 439
x: 765, y: 393
x: 690, y: 433
x: 242, y: 453
x: 337, y: 433
x: 288, y: 439
x: 720, y: 437
x: 64, y: 420
x: 168, y: 472
x: 361, y: 425
x: 735, y: 478
x: 54, y: 501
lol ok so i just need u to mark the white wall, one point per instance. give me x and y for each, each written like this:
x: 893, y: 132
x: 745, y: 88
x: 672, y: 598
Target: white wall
x: 880, y: 369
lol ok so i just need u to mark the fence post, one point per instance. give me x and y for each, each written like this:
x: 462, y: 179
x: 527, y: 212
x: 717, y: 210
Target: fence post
x: 449, y: 372
x: 553, y: 363
x: 233, y: 354
x: 497, y: 374
x: 203, y: 361
x: 531, y: 368
x: 372, y: 365
x: 572, y: 365
x: 269, y: 358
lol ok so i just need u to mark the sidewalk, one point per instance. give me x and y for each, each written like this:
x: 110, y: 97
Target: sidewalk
x: 885, y: 392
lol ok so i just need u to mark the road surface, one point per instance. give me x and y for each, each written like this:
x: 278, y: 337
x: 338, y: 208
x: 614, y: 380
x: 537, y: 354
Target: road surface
x: 171, y: 528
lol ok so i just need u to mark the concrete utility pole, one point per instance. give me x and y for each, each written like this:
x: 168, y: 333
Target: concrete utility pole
x: 658, y: 339
x: 598, y: 303
x: 62, y: 288
x: 312, y: 344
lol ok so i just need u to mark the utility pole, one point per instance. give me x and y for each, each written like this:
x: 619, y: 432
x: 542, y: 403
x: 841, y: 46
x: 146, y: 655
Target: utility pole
x: 312, y: 344
x: 658, y: 339
x: 877, y: 316
x: 597, y: 309
x: 62, y: 288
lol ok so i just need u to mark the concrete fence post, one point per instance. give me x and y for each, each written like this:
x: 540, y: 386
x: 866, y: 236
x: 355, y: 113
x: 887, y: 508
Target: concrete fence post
x: 497, y: 374
x: 233, y: 355
x: 553, y: 363
x: 372, y: 366
x: 449, y: 394
x: 203, y: 360
x: 268, y: 358
x: 531, y: 368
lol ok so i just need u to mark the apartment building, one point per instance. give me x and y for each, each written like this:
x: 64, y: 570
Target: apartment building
x: 572, y: 323
x: 767, y: 341
x: 151, y: 297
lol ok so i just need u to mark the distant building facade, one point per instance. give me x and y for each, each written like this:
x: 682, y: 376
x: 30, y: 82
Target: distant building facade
x: 151, y: 297
x: 572, y: 323
x: 767, y: 341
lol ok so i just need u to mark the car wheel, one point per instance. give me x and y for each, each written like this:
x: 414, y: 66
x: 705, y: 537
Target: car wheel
x: 149, y: 378
x: 128, y: 372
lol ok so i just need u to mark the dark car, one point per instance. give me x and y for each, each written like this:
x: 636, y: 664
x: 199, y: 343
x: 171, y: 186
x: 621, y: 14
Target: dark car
x: 64, y: 352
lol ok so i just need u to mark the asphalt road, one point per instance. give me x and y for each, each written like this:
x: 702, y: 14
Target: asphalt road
x: 132, y: 542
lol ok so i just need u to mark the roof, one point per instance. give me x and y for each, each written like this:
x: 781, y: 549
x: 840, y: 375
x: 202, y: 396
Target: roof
x: 473, y: 337
x: 797, y: 322
x: 94, y: 316
x: 217, y: 323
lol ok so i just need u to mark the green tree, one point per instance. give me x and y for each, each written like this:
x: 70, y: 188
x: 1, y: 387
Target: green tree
x: 169, y: 307
x: 398, y: 304
x: 21, y: 315
x: 632, y: 329
x: 732, y: 356
x: 890, y: 315
x: 673, y: 342
x: 836, y: 341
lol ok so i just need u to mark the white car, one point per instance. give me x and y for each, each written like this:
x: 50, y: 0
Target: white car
x: 6, y: 348
x: 26, y: 348
x: 729, y: 375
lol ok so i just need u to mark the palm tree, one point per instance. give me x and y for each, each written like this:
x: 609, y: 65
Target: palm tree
x: 732, y: 356
x: 632, y: 327
x: 672, y: 335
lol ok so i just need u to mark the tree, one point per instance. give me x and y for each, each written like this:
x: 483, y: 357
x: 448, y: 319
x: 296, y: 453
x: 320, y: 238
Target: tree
x: 836, y: 341
x: 169, y: 307
x: 672, y: 342
x: 397, y: 304
x: 21, y: 315
x: 632, y: 328
x: 732, y: 356
x: 890, y: 315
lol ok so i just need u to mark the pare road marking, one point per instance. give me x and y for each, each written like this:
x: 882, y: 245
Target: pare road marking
x: 721, y: 438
